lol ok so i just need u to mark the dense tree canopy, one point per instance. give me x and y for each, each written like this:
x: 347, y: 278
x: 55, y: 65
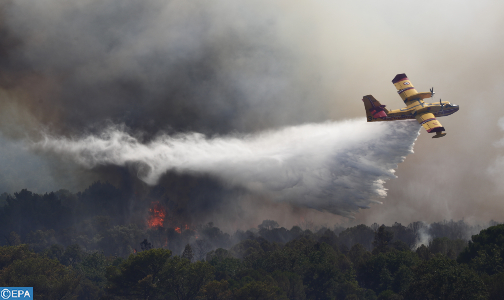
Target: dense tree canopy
x: 89, y: 246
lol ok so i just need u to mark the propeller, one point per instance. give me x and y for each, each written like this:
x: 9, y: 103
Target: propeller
x: 432, y: 92
x: 442, y: 105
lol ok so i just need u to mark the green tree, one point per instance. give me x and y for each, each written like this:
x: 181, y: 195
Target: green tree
x: 87, y: 290
x: 139, y: 276
x: 448, y: 247
x: 389, y: 295
x: 424, y: 253
x: 28, y: 212
x: 260, y: 290
x: 73, y: 255
x: 9, y: 254
x: 49, y: 278
x: 388, y: 271
x: 55, y: 252
x: 201, y: 248
x: 330, y: 238
x: 13, y: 239
x: 218, y: 254
x: 382, y: 240
x: 121, y: 240
x: 403, y: 234
x: 94, y: 267
x: 101, y: 223
x: 226, y: 266
x: 188, y: 253
x: 183, y: 280
x: 485, y: 251
x: 443, y: 278
x: 246, y: 248
x: 216, y: 290
x: 291, y: 284
x: 488, y: 261
x: 360, y: 234
x: 494, y: 286
x: 329, y: 274
x: 358, y: 255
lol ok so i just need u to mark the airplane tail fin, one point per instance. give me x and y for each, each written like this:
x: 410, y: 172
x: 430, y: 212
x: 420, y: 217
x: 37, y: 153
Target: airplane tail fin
x: 375, y: 111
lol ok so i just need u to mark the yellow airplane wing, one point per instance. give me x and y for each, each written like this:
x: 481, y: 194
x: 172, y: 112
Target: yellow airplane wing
x: 431, y: 124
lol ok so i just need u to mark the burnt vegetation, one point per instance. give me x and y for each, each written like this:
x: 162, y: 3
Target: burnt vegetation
x: 96, y: 245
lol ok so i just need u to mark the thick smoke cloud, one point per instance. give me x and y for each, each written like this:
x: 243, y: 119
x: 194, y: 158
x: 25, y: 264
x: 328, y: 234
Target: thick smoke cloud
x: 225, y: 67
x: 155, y: 65
x: 335, y: 166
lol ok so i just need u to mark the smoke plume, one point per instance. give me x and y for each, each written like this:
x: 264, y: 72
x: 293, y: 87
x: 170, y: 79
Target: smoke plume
x: 157, y: 66
x: 496, y: 170
x: 334, y: 166
x: 224, y: 67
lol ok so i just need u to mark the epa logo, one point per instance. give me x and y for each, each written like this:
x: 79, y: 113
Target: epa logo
x: 17, y: 293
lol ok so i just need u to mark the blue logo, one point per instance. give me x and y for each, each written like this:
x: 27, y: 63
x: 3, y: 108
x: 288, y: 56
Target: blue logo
x: 16, y: 293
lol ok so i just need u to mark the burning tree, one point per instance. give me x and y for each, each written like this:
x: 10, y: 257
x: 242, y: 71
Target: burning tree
x: 157, y: 215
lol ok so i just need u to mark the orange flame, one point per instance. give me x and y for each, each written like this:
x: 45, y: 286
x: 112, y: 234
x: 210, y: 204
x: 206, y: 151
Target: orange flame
x: 157, y: 215
x: 177, y: 229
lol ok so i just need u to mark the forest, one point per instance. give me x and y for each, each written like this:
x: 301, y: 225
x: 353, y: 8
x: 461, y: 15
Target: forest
x: 96, y: 245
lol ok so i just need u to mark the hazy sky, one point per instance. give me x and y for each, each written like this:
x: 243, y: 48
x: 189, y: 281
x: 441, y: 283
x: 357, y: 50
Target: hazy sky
x: 453, y: 46
x: 221, y: 67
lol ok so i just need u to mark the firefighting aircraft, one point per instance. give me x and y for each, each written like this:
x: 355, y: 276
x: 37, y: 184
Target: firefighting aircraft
x: 416, y: 108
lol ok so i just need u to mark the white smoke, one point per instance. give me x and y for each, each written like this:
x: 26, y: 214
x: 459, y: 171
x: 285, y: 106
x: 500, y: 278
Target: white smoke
x: 334, y: 166
x: 501, y: 125
x: 423, y: 236
x: 496, y: 170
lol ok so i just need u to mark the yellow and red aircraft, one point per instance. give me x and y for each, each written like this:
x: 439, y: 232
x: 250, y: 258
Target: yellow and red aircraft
x: 416, y: 108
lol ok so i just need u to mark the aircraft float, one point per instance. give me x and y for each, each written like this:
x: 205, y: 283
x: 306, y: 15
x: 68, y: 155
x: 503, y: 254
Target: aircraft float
x: 416, y: 108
